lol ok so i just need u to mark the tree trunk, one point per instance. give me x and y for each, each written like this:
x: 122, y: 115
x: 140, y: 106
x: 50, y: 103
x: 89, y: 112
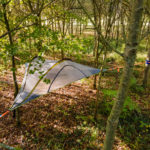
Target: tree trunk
x: 146, y: 71
x: 12, y: 57
x: 122, y: 25
x: 96, y: 49
x: 117, y: 34
x: 39, y: 25
x: 63, y: 28
x: 130, y: 55
x: 71, y: 29
x: 96, y: 39
x: 99, y: 86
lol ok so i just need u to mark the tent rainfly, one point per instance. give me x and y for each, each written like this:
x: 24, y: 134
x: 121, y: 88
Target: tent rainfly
x: 43, y: 76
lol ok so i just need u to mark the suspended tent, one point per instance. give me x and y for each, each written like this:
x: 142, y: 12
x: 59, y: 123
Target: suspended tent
x: 43, y: 76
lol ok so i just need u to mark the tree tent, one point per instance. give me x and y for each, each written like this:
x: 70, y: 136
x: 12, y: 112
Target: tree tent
x: 43, y: 76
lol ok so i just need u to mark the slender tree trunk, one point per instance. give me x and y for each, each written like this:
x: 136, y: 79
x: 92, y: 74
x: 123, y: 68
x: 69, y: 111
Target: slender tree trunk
x: 130, y: 55
x: 39, y: 25
x: 146, y: 71
x: 99, y: 86
x: 77, y: 25
x: 96, y: 39
x: 81, y: 25
x: 123, y: 26
x: 55, y: 23
x: 12, y: 58
x: 63, y: 28
x: 95, y: 42
x: 96, y: 49
x: 63, y: 35
x: 117, y: 35
x: 71, y: 26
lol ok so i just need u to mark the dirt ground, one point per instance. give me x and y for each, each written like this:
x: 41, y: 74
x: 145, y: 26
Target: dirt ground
x: 60, y: 120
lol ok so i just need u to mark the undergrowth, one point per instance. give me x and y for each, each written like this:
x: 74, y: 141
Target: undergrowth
x: 134, y: 127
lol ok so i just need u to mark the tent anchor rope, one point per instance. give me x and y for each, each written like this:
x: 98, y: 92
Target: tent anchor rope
x: 4, y: 114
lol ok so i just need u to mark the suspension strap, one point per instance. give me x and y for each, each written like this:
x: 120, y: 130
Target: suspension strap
x: 4, y: 114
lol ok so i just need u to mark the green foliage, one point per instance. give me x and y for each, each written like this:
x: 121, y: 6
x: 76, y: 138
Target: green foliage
x: 31, y: 71
x: 136, y: 73
x: 134, y: 87
x: 88, y: 118
x: 142, y: 46
x: 90, y: 135
x: 13, y: 69
x: 47, y: 81
x: 133, y: 125
x: 133, y: 81
x: 108, y: 101
x: 52, y: 41
x: 31, y: 40
x: 110, y: 93
x: 129, y: 105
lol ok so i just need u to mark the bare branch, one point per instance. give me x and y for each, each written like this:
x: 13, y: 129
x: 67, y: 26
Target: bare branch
x: 6, y: 3
x: 18, y: 28
x: 103, y: 40
x: 147, y: 33
x: 15, y: 29
x: 48, y: 4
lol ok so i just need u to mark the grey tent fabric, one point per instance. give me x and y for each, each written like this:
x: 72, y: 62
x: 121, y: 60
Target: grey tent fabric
x: 43, y: 76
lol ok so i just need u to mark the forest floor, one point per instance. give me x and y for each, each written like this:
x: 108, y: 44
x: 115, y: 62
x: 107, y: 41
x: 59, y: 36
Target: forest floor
x: 63, y: 119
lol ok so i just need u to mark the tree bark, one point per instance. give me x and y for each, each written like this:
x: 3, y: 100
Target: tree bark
x: 146, y: 71
x: 95, y: 52
x: 130, y: 55
x: 63, y: 27
x: 12, y: 57
x: 96, y: 38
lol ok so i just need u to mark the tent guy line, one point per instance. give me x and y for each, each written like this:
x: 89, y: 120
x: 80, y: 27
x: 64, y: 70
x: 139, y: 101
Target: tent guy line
x: 57, y: 73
